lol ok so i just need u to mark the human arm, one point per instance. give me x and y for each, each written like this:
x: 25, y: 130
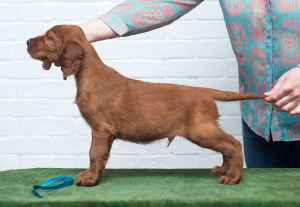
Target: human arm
x: 285, y: 96
x: 134, y: 17
x: 96, y: 30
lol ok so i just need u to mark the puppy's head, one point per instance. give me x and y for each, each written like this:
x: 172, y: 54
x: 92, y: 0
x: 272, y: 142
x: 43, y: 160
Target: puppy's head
x: 61, y: 44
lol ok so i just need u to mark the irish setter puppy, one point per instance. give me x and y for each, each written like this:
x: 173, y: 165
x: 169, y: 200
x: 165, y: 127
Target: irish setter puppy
x: 115, y: 106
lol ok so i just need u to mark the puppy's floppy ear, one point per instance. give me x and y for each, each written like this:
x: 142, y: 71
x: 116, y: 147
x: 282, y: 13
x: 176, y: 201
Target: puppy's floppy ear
x: 71, y: 58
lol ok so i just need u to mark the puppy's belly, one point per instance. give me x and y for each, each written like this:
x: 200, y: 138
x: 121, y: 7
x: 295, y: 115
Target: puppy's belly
x: 145, y: 135
x: 140, y: 139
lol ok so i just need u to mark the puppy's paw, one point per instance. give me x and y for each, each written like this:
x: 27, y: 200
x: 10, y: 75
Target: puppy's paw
x: 87, y: 181
x: 230, y: 180
x: 83, y: 174
x: 218, y: 171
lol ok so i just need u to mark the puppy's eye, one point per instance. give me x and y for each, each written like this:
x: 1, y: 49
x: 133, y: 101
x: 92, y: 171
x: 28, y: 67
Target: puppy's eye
x: 48, y: 37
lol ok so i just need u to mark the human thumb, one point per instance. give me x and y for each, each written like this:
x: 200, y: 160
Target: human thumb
x: 275, y: 88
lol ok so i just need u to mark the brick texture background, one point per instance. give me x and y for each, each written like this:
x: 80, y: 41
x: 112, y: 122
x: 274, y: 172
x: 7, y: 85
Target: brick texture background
x: 40, y: 126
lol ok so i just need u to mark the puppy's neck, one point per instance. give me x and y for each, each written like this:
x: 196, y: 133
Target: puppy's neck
x: 93, y: 70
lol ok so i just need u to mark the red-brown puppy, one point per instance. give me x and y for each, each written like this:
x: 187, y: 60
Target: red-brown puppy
x: 119, y: 107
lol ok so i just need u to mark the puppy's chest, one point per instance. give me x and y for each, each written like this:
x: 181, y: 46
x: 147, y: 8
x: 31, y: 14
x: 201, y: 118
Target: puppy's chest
x: 90, y: 106
x: 86, y: 107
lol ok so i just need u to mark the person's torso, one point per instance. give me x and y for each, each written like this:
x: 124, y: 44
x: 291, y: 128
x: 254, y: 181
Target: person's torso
x: 264, y: 35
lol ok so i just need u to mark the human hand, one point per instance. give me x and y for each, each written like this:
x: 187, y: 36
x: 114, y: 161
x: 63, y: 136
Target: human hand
x: 285, y: 96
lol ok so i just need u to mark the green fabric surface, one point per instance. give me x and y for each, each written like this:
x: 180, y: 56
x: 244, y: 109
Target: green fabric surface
x: 155, y: 188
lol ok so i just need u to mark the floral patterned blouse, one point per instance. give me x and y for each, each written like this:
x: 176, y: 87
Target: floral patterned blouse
x: 264, y: 37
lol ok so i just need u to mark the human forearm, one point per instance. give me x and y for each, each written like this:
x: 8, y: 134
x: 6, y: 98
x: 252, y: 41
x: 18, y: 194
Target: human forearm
x: 138, y: 16
x: 96, y: 30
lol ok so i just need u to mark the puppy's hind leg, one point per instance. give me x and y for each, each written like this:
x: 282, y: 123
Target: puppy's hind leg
x: 209, y: 135
x: 223, y: 170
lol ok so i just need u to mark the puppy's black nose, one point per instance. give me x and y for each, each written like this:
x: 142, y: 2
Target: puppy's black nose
x: 28, y: 42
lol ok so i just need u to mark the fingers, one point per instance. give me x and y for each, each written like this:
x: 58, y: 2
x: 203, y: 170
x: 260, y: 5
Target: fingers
x: 279, y: 91
x: 284, y: 96
x: 285, y: 99
x: 286, y: 108
x: 41, y: 34
x: 287, y: 103
x: 295, y: 111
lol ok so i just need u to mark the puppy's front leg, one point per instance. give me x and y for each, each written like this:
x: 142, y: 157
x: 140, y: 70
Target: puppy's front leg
x: 99, y: 154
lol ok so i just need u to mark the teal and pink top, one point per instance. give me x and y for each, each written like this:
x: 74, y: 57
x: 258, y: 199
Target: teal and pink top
x: 264, y: 37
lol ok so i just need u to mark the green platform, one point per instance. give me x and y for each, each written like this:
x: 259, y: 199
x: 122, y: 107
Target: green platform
x: 155, y: 188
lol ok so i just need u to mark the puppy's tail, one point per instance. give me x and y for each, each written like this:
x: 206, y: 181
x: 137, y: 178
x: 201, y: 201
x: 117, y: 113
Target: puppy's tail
x: 233, y: 96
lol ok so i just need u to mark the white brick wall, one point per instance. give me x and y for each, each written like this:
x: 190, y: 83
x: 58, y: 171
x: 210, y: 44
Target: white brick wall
x: 40, y: 126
